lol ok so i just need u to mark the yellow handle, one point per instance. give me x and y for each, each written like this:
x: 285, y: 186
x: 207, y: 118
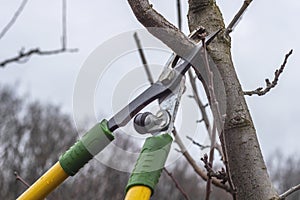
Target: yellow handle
x: 138, y: 192
x: 45, y: 184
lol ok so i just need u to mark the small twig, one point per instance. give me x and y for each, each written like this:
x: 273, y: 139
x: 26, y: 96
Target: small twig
x: 211, y: 159
x: 290, y: 191
x: 179, y: 15
x: 225, y: 161
x: 203, y: 111
x: 143, y: 58
x: 237, y: 17
x: 176, y: 184
x: 197, y: 99
x: 202, y: 147
x: 13, y: 19
x: 19, y: 178
x: 64, y: 25
x: 220, y: 175
x: 269, y: 85
x: 24, y: 56
x: 194, y: 165
x: 218, y: 118
x: 211, y: 89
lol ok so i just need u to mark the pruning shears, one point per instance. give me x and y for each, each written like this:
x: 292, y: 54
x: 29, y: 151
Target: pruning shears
x: 168, y: 90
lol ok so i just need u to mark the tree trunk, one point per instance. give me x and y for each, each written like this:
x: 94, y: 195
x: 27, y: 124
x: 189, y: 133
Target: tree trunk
x: 248, y: 171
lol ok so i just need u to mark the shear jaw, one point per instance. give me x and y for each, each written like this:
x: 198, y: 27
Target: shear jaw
x: 149, y: 123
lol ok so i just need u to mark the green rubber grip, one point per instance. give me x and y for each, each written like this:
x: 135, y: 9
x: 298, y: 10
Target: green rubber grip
x: 151, y: 161
x: 94, y: 141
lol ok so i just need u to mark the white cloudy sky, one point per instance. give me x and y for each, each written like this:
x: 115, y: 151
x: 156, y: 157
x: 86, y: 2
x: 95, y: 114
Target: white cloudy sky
x: 268, y: 30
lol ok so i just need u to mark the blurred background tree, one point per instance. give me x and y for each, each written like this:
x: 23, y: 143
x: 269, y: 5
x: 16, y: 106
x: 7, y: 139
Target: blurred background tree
x: 29, y: 131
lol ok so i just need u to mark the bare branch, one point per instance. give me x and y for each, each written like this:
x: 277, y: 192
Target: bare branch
x: 13, y: 19
x: 162, y: 29
x: 211, y: 159
x: 290, y: 191
x: 198, y: 101
x: 194, y: 165
x: 269, y: 85
x: 203, y: 112
x: 179, y: 15
x: 221, y: 175
x: 218, y: 118
x: 64, y: 25
x: 176, y: 184
x: 202, y: 147
x: 143, y: 58
x: 19, y: 178
x: 237, y: 17
x: 24, y: 56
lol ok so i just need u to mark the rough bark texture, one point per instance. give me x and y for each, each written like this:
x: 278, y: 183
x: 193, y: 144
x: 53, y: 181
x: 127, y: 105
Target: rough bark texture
x: 247, y: 167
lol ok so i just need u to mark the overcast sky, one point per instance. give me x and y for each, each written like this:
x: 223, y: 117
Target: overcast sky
x: 267, y: 31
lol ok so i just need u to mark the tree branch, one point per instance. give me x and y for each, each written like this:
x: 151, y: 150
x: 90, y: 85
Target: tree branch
x: 269, y: 85
x: 237, y: 17
x: 211, y: 159
x: 166, y: 32
x: 196, y: 168
x: 19, y: 178
x: 13, y: 19
x: 24, y: 56
x: 176, y: 184
x: 64, y: 25
x: 203, y: 113
x: 202, y: 147
x: 289, y: 191
x: 179, y: 15
x: 150, y: 79
x: 162, y: 29
x: 143, y: 58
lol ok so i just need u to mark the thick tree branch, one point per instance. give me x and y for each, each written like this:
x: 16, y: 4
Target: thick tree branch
x: 248, y: 173
x: 13, y: 19
x: 158, y: 26
x: 238, y: 129
x: 237, y: 17
x: 290, y: 191
x: 269, y: 85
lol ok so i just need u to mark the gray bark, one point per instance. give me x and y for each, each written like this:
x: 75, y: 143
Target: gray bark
x: 246, y: 164
x: 247, y: 167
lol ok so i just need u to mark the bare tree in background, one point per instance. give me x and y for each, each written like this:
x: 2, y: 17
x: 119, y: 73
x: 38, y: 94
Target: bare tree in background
x: 28, y: 134
x: 33, y: 135
x: 285, y: 172
x: 30, y: 131
x: 24, y: 55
